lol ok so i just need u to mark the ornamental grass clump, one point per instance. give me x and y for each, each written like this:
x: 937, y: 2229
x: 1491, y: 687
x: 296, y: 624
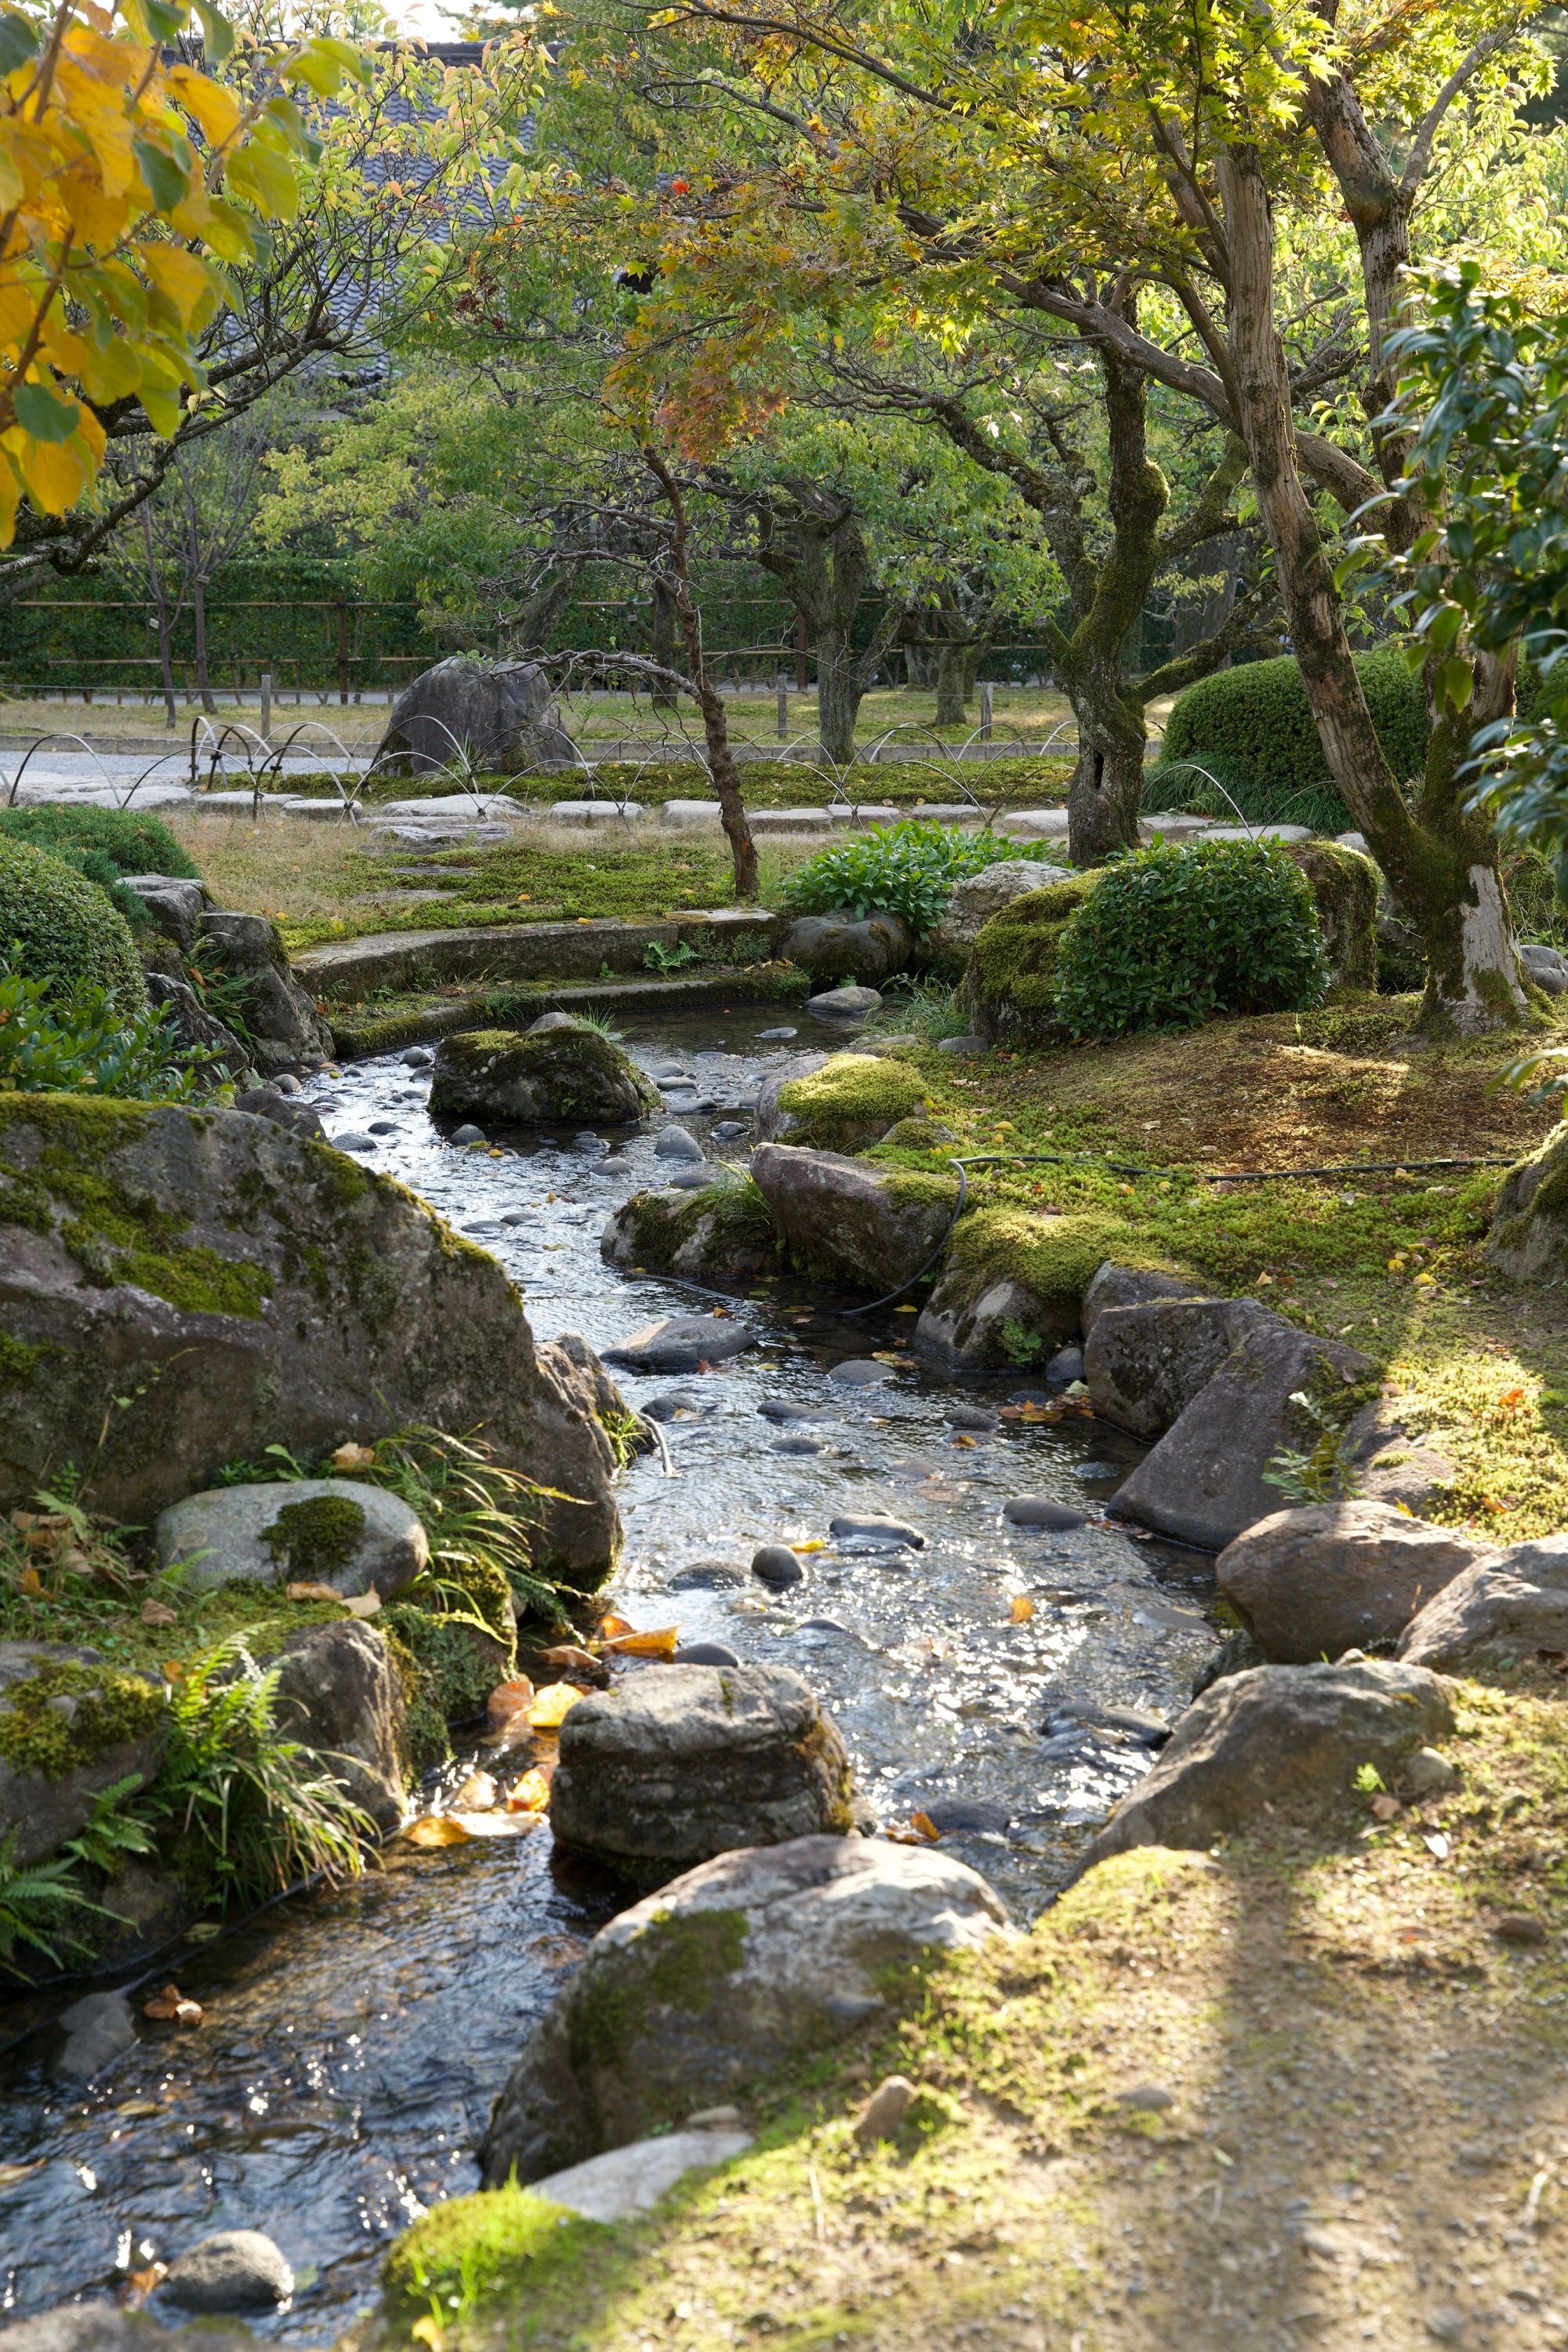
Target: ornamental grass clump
x: 1169, y: 938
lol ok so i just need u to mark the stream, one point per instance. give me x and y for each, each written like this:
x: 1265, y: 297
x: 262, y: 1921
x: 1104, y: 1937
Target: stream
x: 353, y: 2039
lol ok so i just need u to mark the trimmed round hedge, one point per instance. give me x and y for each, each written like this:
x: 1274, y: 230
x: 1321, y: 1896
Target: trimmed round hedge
x: 57, y: 927
x: 1169, y: 938
x: 1258, y: 717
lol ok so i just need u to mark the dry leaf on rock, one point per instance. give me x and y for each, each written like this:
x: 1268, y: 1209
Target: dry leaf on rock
x: 353, y: 1457
x: 174, y: 2005
x: 660, y: 1643
x: 154, y: 1612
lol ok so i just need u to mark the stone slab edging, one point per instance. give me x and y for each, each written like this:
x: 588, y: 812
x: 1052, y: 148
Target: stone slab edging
x: 563, y: 952
x: 357, y: 1040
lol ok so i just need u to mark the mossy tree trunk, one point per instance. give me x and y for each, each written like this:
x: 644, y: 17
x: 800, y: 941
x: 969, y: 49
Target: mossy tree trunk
x: 952, y: 685
x: 809, y: 537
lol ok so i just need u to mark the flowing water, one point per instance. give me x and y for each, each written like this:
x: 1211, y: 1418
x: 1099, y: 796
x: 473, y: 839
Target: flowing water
x: 353, y: 2039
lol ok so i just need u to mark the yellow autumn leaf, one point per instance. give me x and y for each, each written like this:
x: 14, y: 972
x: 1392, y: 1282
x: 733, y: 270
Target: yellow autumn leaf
x: 555, y: 1702
x: 186, y: 281
x: 531, y: 1794
x: 660, y: 1644
x: 436, y: 1829
x: 209, y: 104
x: 1021, y: 1610
x: 53, y: 475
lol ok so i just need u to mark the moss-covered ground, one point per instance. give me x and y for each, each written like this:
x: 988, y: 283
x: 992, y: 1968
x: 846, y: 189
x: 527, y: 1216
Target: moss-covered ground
x: 1352, y: 2131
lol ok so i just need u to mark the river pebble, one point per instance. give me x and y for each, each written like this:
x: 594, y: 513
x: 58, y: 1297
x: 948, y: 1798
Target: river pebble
x: 971, y: 1416
x: 233, y: 2270
x: 896, y: 1534
x: 799, y: 1445
x: 467, y: 1133
x: 675, y: 1143
x: 859, y: 1372
x: 786, y: 1409
x: 775, y: 1564
x: 416, y: 1057
x: 706, y: 1654
x: 708, y: 1575
x: 766, y: 1036
x: 1040, y: 1511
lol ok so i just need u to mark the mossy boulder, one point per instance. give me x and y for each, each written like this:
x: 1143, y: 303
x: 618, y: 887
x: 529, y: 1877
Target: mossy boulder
x: 720, y: 1234
x: 554, y: 1077
x: 1344, y: 887
x: 333, y: 1532
x: 748, y: 1962
x: 70, y: 1728
x: 843, y: 1104
x: 1529, y: 1238
x: 1011, y: 1285
x: 57, y: 927
x: 1012, y: 966
x: 179, y: 1287
x: 848, y: 1221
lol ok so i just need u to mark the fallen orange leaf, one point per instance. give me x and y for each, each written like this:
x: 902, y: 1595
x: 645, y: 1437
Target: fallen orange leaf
x: 30, y: 1582
x: 926, y: 1826
x: 613, y: 1624
x: 531, y: 1794
x: 172, y: 1670
x: 555, y: 1701
x: 659, y: 1642
x: 1022, y: 1609
x: 508, y: 1699
x: 436, y: 1829
x: 351, y: 1456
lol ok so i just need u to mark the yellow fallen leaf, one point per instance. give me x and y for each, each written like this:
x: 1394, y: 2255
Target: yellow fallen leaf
x: 555, y: 1702
x: 531, y: 1794
x: 1022, y: 1609
x: 812, y: 1543
x: 436, y: 1829
x: 660, y: 1643
x: 612, y: 1624
x: 905, y: 1310
x: 926, y: 1826
x: 427, y: 2331
x: 964, y: 1439
x: 350, y: 1456
x: 885, y: 1355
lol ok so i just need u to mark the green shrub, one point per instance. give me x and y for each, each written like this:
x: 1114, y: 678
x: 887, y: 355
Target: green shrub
x: 103, y: 844
x: 1172, y: 937
x: 60, y: 928
x: 1258, y: 717
x: 1215, y: 783
x: 908, y: 868
x: 81, y: 1043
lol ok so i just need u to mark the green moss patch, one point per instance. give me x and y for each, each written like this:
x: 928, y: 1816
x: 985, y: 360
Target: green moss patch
x: 853, y: 1098
x: 106, y: 1709
x: 1011, y: 969
x: 316, y: 1539
x: 470, y: 2252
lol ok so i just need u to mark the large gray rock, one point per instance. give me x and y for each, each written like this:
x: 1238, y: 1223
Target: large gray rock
x: 850, y: 1219
x: 1391, y: 1464
x: 108, y: 2328
x: 686, y: 2000
x: 1529, y: 1237
x: 195, y: 1029
x: 978, y: 896
x: 500, y: 717
x: 774, y: 1124
x: 1203, y: 1483
x: 545, y: 1078
x: 1330, y: 1577
x: 1131, y: 1285
x: 972, y: 1325
x: 98, y: 2029
x: 682, y: 1343
x: 627, y: 2181
x: 182, y: 1286
x: 232, y: 2270
x: 70, y: 1727
x: 285, y: 1027
x: 716, y: 1234
x: 174, y: 905
x: 679, y: 1763
x: 843, y: 945
x: 339, y: 1691
x: 1145, y: 1365
x: 1547, y: 966
x: 1501, y: 1609
x: 333, y: 1532
x: 1276, y: 1735
x: 845, y: 1004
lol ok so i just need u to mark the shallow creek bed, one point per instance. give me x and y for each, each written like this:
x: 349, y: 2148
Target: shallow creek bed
x: 352, y: 2042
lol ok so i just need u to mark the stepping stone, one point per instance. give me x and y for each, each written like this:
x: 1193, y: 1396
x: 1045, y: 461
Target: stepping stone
x: 418, y: 1057
x: 894, y: 1534
x: 679, y: 1343
x: 383, y: 1127
x: 860, y: 1372
x: 593, y: 812
x: 1040, y: 1511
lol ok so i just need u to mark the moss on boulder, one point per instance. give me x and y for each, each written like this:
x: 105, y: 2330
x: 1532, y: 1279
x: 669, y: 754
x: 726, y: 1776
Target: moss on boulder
x: 1343, y: 885
x: 721, y: 1233
x: 70, y: 1728
x: 1012, y: 1283
x: 1012, y: 967
x: 1529, y: 1225
x: 537, y: 1077
x: 849, y: 1102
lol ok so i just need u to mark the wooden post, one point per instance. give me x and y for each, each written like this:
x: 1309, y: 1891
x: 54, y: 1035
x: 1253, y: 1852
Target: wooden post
x: 784, y: 709
x: 342, y: 650
x: 985, y: 711
x: 264, y: 727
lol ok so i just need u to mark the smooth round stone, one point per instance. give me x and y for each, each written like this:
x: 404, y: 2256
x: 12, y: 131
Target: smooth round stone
x: 469, y: 1133
x: 971, y: 1416
x: 675, y: 1401
x: 286, y: 1083
x: 1039, y: 1511
x: 821, y: 1626
x: 765, y: 1036
x: 547, y: 1022
x: 775, y: 1564
x: 706, y: 1654
x: 657, y: 1070
x: 691, y: 1180
x: 383, y: 1127
x: 799, y: 1445
x: 482, y: 1225
x: 962, y: 1046
x: 785, y: 1408
x: 845, y: 1004
x: 952, y: 1815
x: 418, y: 1057
x: 1066, y: 1365
x: 895, y: 1535
x: 674, y: 1143
x: 517, y: 1216
x: 681, y: 1084
x: 707, y: 1576
x: 591, y: 1146
x: 859, y: 1372
x: 728, y: 1129
x: 353, y: 1142
x: 234, y: 2270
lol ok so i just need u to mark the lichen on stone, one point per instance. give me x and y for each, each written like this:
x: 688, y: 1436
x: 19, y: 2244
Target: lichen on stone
x: 315, y: 1540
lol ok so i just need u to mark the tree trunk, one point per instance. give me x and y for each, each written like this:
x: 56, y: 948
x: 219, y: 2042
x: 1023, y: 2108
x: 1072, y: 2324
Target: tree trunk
x: 199, y: 625
x: 950, y: 681
x: 164, y: 617
x: 839, y: 694
x: 1442, y: 871
x: 1107, y: 789
x: 663, y: 623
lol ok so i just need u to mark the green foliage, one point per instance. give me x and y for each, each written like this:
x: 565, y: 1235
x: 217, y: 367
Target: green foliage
x: 261, y: 1808
x: 109, y: 1833
x: 1218, y: 784
x: 1323, y: 1472
x: 61, y: 928
x: 1255, y: 721
x: 34, y: 1905
x: 1169, y: 938
x: 81, y: 1043
x: 907, y: 868
x: 113, y: 841
x: 657, y: 957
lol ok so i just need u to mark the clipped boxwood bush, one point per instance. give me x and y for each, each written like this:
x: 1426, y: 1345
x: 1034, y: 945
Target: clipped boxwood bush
x: 907, y: 869
x: 1169, y: 938
x: 103, y: 844
x: 56, y: 927
x: 1258, y: 717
